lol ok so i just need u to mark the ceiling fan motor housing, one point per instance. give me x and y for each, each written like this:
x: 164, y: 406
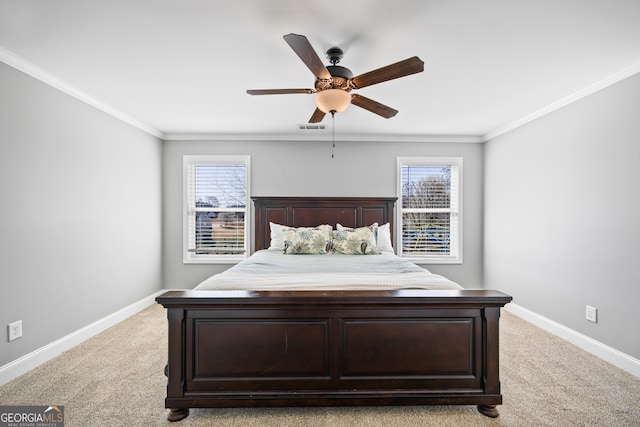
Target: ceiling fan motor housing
x: 340, y: 77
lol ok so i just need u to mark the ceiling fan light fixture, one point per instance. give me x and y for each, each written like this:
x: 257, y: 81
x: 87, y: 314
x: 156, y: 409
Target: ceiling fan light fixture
x: 329, y: 100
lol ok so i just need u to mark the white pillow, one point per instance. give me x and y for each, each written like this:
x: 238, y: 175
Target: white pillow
x: 277, y: 236
x: 383, y: 236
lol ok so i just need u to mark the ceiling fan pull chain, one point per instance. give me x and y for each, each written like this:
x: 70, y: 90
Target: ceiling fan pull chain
x: 333, y: 132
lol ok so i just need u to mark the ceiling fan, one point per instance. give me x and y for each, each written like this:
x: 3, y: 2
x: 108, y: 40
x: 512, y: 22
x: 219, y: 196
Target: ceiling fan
x: 334, y: 83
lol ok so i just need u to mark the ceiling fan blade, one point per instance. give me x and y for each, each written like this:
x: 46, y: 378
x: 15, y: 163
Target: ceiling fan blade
x: 317, y: 116
x: 302, y: 47
x: 373, y: 106
x: 399, y: 69
x: 277, y: 91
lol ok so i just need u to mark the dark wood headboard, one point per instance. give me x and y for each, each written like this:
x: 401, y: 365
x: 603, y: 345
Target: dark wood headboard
x: 312, y: 211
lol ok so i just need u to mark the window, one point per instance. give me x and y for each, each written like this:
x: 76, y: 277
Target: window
x: 429, y: 203
x: 216, y: 190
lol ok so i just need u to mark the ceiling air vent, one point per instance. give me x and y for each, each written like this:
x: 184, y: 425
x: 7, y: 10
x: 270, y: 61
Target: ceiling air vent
x: 311, y: 126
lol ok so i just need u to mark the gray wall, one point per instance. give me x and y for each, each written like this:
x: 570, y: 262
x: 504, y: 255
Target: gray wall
x: 80, y: 222
x: 562, y: 215
x: 89, y: 201
x: 297, y: 168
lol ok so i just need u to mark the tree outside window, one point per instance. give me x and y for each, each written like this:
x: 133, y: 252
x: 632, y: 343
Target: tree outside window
x: 216, y: 190
x: 429, y: 205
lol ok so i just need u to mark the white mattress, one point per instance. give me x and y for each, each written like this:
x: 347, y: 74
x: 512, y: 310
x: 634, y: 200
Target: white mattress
x: 272, y: 270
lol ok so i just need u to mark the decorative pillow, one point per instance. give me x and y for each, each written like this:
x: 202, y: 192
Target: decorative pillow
x: 382, y: 234
x: 355, y: 241
x: 315, y: 240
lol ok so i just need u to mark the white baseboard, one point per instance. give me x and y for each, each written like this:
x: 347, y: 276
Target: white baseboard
x: 603, y: 351
x: 37, y: 357
x: 29, y: 361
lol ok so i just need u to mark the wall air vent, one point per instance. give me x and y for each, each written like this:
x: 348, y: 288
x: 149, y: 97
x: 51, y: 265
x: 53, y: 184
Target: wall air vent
x: 311, y: 126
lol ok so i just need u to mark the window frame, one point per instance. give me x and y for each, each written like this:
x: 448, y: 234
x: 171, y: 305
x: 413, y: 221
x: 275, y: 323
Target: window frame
x: 456, y: 258
x: 189, y: 257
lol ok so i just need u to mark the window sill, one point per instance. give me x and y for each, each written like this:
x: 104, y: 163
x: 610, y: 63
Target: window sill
x: 433, y: 260
x: 217, y: 260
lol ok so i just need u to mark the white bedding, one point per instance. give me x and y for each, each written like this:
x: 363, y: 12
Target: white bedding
x: 272, y: 270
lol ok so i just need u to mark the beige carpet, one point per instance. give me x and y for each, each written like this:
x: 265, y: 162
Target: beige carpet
x: 545, y: 382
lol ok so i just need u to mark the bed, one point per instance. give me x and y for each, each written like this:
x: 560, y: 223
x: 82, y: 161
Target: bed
x: 392, y: 343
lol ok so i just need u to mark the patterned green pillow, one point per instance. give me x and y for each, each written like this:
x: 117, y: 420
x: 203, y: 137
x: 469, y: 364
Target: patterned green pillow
x: 355, y: 241
x: 315, y: 240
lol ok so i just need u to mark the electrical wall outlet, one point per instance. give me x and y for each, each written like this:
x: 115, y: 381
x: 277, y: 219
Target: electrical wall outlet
x: 592, y: 314
x: 15, y: 330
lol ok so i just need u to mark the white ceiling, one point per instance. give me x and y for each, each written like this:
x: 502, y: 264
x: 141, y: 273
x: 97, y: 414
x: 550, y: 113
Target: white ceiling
x: 181, y: 67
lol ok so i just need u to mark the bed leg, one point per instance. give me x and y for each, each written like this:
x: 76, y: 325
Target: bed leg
x: 489, y: 410
x: 178, y: 414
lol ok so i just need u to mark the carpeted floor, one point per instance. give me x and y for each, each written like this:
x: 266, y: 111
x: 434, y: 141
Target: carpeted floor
x: 545, y: 382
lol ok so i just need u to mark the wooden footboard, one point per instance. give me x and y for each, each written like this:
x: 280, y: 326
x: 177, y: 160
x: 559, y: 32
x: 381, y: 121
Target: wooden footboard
x: 333, y: 348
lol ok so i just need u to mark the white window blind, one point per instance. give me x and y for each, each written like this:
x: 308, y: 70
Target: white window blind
x: 216, y: 201
x: 429, y: 204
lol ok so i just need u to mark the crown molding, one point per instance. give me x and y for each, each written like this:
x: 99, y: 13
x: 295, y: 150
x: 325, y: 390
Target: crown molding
x: 323, y: 136
x: 20, y: 64
x: 32, y: 70
x: 599, y: 85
